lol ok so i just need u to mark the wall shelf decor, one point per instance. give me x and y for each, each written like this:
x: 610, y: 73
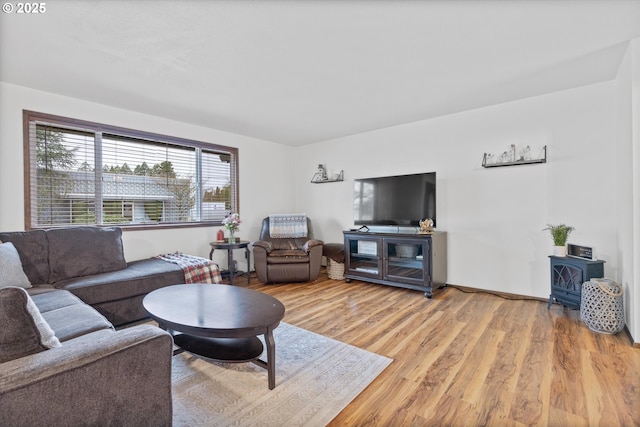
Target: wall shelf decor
x: 321, y: 177
x: 509, y: 158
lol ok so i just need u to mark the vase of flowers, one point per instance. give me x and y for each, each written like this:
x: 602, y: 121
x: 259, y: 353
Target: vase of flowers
x: 232, y: 223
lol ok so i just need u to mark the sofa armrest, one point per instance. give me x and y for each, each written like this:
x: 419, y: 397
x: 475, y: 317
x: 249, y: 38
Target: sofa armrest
x: 261, y: 250
x: 106, y: 377
x: 312, y: 243
x: 314, y: 248
x: 261, y: 244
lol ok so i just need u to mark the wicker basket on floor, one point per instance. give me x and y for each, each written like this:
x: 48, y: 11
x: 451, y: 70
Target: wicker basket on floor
x: 335, y: 270
x: 601, y: 306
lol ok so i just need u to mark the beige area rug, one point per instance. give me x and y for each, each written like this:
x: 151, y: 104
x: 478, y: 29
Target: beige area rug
x: 316, y: 377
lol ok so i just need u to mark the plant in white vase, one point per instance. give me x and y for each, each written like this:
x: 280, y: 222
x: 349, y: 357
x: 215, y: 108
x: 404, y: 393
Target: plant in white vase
x: 559, y: 234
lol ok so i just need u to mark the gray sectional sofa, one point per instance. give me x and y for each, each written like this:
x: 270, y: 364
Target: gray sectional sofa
x: 89, y: 262
x: 92, y: 375
x: 62, y: 361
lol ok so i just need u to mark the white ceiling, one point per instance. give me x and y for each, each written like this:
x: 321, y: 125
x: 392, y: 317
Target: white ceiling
x: 299, y: 72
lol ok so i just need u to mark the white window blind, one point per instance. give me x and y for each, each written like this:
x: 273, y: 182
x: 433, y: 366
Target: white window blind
x: 154, y: 182
x: 86, y: 173
x: 61, y: 162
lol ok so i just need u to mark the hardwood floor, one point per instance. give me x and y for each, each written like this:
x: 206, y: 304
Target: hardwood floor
x: 470, y: 358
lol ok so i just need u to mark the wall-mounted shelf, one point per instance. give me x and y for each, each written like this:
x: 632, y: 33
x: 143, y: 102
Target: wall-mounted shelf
x: 318, y: 179
x: 542, y: 159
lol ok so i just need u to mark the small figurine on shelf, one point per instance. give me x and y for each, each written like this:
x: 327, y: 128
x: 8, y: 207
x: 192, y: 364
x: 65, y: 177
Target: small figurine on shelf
x: 322, y: 172
x: 426, y: 226
x: 320, y: 175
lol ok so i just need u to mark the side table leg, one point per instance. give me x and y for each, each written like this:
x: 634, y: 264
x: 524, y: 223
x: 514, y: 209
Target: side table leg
x: 232, y: 271
x: 247, y: 255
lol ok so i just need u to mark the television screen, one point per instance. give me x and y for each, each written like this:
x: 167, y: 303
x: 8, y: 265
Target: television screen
x: 402, y: 200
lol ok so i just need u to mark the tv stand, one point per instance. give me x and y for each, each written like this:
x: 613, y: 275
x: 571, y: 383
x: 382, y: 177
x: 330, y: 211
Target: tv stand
x: 413, y: 261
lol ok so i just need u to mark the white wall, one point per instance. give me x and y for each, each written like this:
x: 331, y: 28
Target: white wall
x: 494, y: 217
x: 635, y: 78
x: 265, y: 170
x: 628, y: 183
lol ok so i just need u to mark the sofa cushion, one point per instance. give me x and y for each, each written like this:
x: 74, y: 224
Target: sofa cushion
x: 84, y: 251
x: 24, y: 331
x: 11, y: 273
x: 140, y: 277
x: 33, y: 249
x: 288, y: 253
x: 118, y: 294
x: 288, y: 244
x: 55, y: 299
x: 40, y: 289
x: 288, y: 260
x: 75, y: 320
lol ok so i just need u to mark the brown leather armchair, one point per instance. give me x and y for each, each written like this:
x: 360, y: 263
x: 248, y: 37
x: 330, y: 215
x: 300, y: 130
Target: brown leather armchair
x: 287, y: 259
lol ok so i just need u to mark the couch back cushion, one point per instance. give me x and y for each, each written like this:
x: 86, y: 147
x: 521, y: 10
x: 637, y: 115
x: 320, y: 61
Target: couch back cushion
x: 83, y: 251
x: 33, y: 249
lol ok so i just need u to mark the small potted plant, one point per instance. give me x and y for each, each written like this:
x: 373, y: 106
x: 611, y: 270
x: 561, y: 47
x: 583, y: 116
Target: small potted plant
x: 559, y: 234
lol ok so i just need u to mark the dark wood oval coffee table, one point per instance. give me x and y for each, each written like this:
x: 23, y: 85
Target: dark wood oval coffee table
x: 219, y: 322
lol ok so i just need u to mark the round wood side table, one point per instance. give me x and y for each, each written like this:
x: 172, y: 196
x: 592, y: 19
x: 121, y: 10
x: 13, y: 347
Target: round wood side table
x: 229, y: 247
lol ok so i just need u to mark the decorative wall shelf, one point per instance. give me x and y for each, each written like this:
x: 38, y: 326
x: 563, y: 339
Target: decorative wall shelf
x: 542, y: 159
x: 318, y: 179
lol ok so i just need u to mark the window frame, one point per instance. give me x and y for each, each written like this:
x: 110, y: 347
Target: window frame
x: 29, y: 117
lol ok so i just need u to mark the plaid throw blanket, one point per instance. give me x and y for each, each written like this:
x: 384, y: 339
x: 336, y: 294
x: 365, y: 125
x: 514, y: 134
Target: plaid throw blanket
x: 196, y: 269
x: 288, y: 226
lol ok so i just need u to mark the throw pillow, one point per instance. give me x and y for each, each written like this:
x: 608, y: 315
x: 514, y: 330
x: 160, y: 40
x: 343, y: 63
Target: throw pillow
x: 24, y: 331
x: 11, y: 272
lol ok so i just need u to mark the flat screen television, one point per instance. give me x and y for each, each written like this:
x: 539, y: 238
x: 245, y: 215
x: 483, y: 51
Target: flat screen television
x: 402, y: 200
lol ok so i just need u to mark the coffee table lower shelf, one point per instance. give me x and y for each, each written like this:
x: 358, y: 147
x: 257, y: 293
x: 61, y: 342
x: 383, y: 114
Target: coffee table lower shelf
x: 233, y: 350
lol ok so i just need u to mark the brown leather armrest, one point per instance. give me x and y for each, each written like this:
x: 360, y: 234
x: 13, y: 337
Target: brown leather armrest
x: 262, y: 244
x: 311, y: 243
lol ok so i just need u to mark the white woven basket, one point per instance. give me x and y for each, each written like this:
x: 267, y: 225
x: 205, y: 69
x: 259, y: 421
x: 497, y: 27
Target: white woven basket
x: 335, y: 270
x: 602, y: 306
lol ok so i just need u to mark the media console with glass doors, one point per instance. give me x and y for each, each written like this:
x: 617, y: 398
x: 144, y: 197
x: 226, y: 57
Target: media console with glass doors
x: 413, y: 261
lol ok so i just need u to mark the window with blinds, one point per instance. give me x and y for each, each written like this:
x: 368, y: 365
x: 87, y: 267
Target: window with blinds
x: 83, y: 173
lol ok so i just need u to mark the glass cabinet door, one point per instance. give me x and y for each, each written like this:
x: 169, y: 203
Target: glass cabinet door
x: 364, y: 256
x: 405, y: 260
